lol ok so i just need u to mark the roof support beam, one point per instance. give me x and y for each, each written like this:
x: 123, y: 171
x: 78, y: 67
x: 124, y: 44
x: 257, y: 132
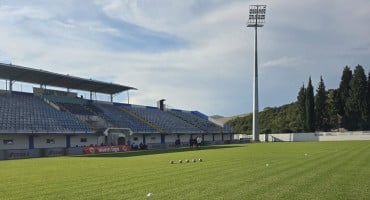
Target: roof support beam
x: 11, y: 85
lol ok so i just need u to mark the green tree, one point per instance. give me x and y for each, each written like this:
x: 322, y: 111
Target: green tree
x: 356, y: 105
x: 321, y: 108
x: 348, y: 107
x: 241, y: 125
x: 274, y: 120
x: 333, y: 107
x: 368, y: 101
x: 301, y: 109
x: 343, y: 93
x: 310, y: 108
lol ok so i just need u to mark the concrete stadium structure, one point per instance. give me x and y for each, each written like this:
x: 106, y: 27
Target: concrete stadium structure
x: 49, y: 122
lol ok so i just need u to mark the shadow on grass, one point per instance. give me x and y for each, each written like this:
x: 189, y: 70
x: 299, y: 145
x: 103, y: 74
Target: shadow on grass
x: 156, y: 151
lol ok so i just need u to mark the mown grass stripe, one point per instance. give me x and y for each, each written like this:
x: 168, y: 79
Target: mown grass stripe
x: 302, y: 183
x: 228, y: 172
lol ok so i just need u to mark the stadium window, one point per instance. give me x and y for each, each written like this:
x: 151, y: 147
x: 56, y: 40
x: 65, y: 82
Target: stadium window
x: 83, y: 140
x: 135, y: 138
x: 8, y: 142
x: 50, y: 141
x: 152, y: 138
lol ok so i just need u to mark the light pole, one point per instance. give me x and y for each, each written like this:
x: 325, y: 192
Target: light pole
x: 256, y: 19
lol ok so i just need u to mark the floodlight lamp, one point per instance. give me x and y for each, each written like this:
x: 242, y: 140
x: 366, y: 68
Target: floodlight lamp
x: 257, y: 15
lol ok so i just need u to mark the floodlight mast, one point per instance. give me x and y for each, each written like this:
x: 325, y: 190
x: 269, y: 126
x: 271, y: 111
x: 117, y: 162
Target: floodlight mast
x: 256, y: 19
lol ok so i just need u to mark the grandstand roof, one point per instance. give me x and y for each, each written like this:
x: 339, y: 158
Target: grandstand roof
x: 38, y: 76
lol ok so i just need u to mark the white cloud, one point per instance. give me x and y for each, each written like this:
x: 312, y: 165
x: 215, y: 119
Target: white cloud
x: 283, y: 62
x: 161, y: 15
x: 212, y: 71
x: 10, y: 12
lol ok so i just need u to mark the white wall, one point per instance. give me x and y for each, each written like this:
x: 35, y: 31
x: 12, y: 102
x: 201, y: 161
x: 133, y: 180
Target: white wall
x: 90, y: 140
x: 320, y: 136
x: 153, y: 138
x: 171, y: 138
x: 228, y: 137
x: 218, y: 137
x: 184, y: 138
x: 40, y: 141
x: 139, y: 139
x: 208, y: 138
x: 360, y: 135
x: 19, y: 142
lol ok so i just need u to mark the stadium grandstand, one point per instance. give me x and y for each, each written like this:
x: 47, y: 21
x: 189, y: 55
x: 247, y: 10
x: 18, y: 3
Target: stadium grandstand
x: 49, y: 122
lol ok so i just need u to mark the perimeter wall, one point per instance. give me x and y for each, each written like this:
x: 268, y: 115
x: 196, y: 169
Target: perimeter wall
x: 319, y: 136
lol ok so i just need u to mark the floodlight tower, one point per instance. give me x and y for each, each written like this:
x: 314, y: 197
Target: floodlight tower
x: 256, y: 19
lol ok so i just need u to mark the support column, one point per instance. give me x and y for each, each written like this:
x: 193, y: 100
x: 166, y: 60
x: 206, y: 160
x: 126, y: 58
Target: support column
x: 31, y: 143
x: 10, y: 85
x: 68, y: 141
x: 163, y: 139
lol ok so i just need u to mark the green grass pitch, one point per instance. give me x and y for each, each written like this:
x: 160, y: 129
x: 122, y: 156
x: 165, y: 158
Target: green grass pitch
x: 305, y: 170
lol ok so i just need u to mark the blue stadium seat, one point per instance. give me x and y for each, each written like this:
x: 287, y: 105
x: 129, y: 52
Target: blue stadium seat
x: 167, y: 122
x: 198, y: 120
x: 28, y: 113
x: 122, y: 119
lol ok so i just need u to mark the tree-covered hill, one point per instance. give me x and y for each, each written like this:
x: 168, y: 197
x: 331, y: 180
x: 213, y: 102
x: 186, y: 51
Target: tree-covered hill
x: 272, y: 120
x: 347, y: 107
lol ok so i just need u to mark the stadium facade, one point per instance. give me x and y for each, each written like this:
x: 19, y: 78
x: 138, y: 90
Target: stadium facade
x: 57, y: 121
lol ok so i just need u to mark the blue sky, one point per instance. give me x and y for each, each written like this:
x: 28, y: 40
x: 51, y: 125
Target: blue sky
x: 196, y: 54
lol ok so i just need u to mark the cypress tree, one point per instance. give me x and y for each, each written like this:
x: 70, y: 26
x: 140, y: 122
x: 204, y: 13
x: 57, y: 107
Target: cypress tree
x: 310, y: 105
x: 333, y: 107
x: 368, y: 101
x: 356, y: 105
x: 301, y: 108
x: 343, y: 94
x: 321, y: 108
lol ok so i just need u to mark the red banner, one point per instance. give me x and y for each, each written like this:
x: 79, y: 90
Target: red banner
x: 106, y: 149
